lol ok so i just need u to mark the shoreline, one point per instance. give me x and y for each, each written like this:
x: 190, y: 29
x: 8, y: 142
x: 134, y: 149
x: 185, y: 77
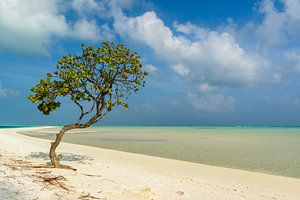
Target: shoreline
x: 122, y: 175
x: 269, y: 151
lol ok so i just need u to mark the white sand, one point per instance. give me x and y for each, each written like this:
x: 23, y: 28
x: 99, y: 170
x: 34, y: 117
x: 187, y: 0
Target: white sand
x: 113, y: 175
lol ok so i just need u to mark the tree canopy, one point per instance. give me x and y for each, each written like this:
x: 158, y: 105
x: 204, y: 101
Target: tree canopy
x: 96, y: 81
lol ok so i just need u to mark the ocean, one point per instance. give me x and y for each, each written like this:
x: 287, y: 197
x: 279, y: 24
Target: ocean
x: 272, y: 150
x: 14, y: 126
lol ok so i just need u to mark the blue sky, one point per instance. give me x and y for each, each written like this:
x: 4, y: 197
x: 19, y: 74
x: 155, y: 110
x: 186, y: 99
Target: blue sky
x: 211, y: 62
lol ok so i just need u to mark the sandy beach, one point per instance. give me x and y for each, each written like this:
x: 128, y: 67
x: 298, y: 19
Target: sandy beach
x: 108, y: 174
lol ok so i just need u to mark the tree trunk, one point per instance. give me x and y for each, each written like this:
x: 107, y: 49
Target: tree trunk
x: 54, y: 158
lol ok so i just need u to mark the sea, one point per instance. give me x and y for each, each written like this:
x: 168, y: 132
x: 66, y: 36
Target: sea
x: 271, y: 150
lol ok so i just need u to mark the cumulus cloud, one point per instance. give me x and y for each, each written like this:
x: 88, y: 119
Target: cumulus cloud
x: 7, y: 92
x: 191, y: 30
x: 206, y: 59
x: 212, y: 57
x: 205, y: 88
x: 230, y: 56
x: 278, y: 27
x: 29, y: 26
x: 90, y: 30
x: 180, y: 69
x: 85, y: 7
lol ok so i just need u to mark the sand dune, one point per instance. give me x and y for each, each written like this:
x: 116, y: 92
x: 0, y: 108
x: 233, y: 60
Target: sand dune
x: 114, y: 175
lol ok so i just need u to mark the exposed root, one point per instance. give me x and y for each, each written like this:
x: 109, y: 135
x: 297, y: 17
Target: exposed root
x: 47, y: 177
x: 66, y: 167
x: 41, y: 166
x: 23, y: 164
x: 53, y: 180
x: 41, y: 176
x: 52, y: 166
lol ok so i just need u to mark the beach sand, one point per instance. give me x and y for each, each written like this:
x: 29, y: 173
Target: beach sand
x: 113, y: 175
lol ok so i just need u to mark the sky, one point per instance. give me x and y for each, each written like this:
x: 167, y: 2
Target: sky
x: 211, y: 62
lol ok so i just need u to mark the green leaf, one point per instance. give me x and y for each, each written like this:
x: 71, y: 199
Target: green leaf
x: 111, y: 67
x: 105, y: 76
x: 126, y: 106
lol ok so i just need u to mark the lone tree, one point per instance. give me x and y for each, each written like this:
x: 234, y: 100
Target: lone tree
x: 96, y: 81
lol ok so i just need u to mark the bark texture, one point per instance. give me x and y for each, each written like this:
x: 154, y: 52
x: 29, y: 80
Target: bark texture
x: 55, y: 160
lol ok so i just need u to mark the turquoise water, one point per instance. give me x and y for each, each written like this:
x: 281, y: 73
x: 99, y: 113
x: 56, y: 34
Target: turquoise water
x: 274, y: 150
x: 13, y: 126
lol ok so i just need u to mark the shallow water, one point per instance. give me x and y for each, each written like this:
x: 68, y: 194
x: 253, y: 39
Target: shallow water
x: 262, y: 149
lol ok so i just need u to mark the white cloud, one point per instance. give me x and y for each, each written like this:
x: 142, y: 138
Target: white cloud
x: 212, y: 102
x: 83, y: 7
x: 30, y: 25
x: 7, y: 92
x: 208, y: 60
x: 292, y: 8
x: 270, y: 32
x: 150, y: 68
x: 208, y: 98
x: 85, y: 29
x: 205, y: 88
x: 212, y: 57
x: 91, y: 8
x: 191, y: 30
x: 278, y: 27
x: 180, y: 69
x: 90, y: 30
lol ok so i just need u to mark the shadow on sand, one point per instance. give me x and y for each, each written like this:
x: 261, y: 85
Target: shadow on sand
x: 65, y: 157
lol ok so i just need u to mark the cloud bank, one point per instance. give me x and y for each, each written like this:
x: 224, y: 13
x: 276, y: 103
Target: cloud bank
x: 231, y: 57
x: 213, y: 58
x: 29, y: 26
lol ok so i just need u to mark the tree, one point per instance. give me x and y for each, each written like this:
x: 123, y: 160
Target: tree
x: 95, y: 81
